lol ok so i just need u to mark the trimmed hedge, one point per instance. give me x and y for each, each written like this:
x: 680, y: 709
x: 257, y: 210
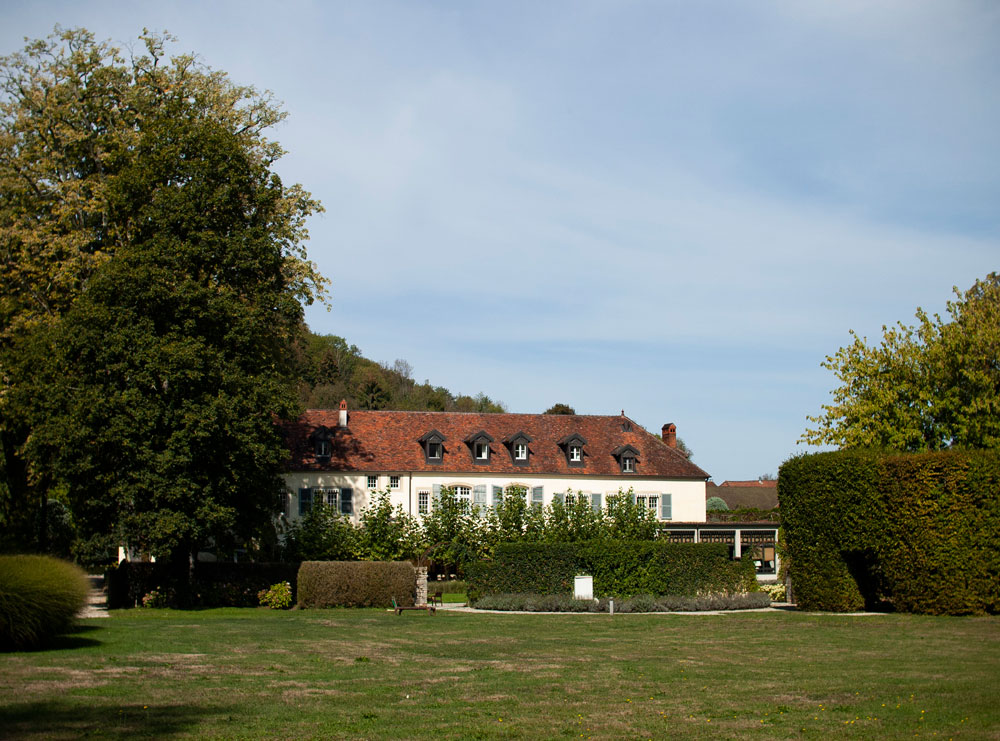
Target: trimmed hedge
x: 620, y: 568
x: 639, y: 603
x: 213, y: 584
x: 911, y: 532
x: 40, y: 597
x: 357, y: 583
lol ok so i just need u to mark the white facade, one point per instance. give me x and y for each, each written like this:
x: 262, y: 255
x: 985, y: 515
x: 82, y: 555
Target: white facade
x: 686, y: 500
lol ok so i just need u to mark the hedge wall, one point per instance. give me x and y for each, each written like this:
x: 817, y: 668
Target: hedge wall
x: 620, y: 569
x: 357, y: 583
x: 911, y: 532
x: 213, y: 584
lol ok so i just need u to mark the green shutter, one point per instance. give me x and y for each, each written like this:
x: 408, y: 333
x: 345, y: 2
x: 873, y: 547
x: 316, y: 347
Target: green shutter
x: 347, y: 501
x: 479, y: 496
x: 538, y: 495
x: 305, y: 501
x: 558, y: 497
x: 497, y: 496
x: 436, y: 495
x: 595, y: 501
x: 666, y: 507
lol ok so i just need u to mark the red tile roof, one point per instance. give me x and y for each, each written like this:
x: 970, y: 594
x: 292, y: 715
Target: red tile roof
x: 380, y: 441
x: 765, y: 483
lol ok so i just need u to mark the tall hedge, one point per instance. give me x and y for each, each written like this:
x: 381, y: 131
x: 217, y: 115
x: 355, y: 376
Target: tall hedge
x: 356, y: 583
x: 912, y: 532
x: 620, y: 568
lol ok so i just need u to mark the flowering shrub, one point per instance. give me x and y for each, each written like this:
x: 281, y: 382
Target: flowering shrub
x: 155, y: 598
x: 775, y: 591
x: 277, y: 596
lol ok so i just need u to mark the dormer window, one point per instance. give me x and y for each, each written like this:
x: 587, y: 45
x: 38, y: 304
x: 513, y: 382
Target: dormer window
x: 321, y: 444
x: 479, y: 446
x: 627, y: 457
x: 433, y: 445
x: 517, y: 444
x: 572, y: 446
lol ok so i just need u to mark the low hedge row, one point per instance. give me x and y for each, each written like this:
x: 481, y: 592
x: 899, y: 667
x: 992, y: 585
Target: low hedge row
x: 914, y: 532
x: 356, y: 583
x: 212, y: 584
x: 620, y: 569
x: 639, y: 603
x: 40, y: 597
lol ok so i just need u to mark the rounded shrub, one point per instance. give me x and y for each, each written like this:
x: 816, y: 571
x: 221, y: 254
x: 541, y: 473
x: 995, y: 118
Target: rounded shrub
x: 716, y: 504
x: 39, y: 598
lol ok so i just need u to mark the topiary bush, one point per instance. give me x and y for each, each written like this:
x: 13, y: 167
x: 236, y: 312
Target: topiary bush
x: 356, y: 583
x: 40, y: 597
x: 716, y: 504
x: 912, y: 532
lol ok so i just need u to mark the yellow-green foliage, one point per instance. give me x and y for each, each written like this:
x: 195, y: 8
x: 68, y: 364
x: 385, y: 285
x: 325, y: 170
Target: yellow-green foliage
x: 356, y: 583
x: 39, y: 598
x: 920, y: 532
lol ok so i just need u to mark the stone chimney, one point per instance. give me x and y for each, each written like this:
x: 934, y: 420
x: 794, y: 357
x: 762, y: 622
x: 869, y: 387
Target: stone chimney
x: 670, y: 434
x: 342, y: 417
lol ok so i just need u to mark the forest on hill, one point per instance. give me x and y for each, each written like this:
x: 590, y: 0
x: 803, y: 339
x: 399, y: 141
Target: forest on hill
x: 329, y: 369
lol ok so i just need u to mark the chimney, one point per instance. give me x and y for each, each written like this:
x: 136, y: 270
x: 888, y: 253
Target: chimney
x: 670, y: 434
x: 342, y: 417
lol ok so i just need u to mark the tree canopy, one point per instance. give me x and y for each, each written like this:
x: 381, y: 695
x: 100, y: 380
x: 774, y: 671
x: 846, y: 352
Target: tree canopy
x: 560, y: 409
x: 929, y: 386
x: 152, y: 276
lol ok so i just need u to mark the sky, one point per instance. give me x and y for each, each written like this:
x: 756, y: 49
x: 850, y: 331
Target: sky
x: 673, y: 209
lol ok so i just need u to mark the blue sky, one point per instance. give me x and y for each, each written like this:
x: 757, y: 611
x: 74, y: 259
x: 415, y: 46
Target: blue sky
x: 676, y: 209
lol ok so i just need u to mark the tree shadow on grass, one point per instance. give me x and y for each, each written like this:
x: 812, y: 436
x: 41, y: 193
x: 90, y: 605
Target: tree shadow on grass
x: 61, y: 719
x: 72, y: 638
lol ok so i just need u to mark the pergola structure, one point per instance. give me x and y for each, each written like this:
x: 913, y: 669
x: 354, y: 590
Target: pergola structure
x: 757, y: 540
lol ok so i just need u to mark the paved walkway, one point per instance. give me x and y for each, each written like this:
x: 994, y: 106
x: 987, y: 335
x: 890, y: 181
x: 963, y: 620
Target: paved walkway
x: 97, y: 600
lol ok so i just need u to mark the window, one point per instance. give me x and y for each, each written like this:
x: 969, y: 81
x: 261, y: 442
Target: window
x: 537, y: 496
x: 321, y: 444
x: 423, y: 502
x: 517, y: 446
x: 341, y: 500
x: 648, y: 501
x: 373, y: 482
x: 482, y: 451
x: 433, y: 444
x: 394, y: 482
x: 627, y: 458
x: 463, y: 494
x: 572, y: 447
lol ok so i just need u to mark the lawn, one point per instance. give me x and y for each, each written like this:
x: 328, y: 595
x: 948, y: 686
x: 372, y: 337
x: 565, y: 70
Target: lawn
x: 370, y: 674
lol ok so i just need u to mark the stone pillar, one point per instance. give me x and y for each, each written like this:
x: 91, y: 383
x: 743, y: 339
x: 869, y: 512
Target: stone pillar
x: 737, y: 545
x: 421, y: 585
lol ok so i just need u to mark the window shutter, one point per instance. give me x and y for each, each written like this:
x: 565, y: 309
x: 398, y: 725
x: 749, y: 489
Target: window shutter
x: 347, y: 501
x: 666, y: 507
x: 497, y: 496
x: 633, y: 497
x: 558, y: 497
x: 305, y: 501
x: 537, y: 495
x: 436, y: 495
x: 595, y: 501
x: 479, y: 496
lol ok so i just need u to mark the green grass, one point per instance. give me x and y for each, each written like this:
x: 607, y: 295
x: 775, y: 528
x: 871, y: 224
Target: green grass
x: 370, y: 674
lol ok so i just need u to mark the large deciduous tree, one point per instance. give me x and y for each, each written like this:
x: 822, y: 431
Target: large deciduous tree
x: 152, y: 276
x: 925, y: 387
